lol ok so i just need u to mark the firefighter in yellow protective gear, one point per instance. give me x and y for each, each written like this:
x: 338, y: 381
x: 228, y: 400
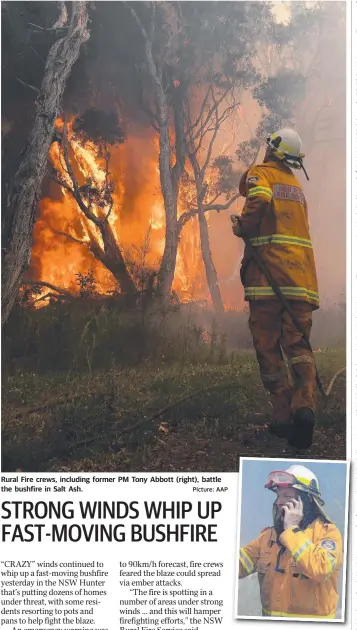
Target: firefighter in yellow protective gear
x: 298, y: 559
x: 275, y: 219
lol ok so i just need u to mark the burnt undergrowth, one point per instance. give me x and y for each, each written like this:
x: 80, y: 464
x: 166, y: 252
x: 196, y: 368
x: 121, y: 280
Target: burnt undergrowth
x: 92, y: 387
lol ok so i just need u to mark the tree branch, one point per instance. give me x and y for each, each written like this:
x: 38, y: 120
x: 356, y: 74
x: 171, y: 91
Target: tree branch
x: 211, y: 201
x: 93, y: 247
x: 53, y: 28
x: 107, y: 189
x: 40, y: 283
x: 71, y: 238
x: 58, y: 296
x: 214, y: 107
x: 199, y: 117
x: 186, y: 216
x: 75, y: 192
x: 61, y: 21
x: 146, y: 109
x: 139, y: 23
x: 32, y: 87
x: 37, y: 55
x: 219, y: 206
x: 61, y: 183
x: 63, y: 16
x: 154, y: 70
x: 210, y: 144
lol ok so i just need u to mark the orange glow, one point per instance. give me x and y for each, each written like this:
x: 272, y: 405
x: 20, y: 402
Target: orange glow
x: 138, y: 209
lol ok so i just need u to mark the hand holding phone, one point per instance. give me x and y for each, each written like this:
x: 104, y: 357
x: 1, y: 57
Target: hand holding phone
x: 293, y: 513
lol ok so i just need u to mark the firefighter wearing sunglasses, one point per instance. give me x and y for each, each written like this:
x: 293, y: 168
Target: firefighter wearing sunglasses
x: 298, y: 559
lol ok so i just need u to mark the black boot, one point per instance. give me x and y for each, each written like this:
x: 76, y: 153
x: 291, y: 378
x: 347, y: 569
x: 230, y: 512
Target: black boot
x: 302, y: 429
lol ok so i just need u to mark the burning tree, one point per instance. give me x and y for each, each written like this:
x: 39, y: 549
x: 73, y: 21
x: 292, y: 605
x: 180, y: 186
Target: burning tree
x: 191, y: 51
x: 171, y: 163
x: 201, y: 70
x: 94, y: 195
x: 23, y: 194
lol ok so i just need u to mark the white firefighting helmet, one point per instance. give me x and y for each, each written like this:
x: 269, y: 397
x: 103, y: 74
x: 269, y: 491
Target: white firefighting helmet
x: 286, y: 145
x: 300, y: 478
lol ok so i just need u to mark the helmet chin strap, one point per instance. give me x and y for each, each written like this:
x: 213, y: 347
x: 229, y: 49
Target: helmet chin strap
x: 278, y: 520
x: 296, y: 160
x: 309, y: 510
x: 306, y: 175
x: 274, y: 144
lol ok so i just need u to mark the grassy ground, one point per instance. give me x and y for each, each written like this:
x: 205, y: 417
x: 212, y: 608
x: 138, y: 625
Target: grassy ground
x: 80, y: 422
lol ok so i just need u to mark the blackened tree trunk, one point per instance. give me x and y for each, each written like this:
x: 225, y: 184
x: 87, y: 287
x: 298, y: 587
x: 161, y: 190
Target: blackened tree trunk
x: 108, y: 252
x: 112, y: 258
x: 26, y: 185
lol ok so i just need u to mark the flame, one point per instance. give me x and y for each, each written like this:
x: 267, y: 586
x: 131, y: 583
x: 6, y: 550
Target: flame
x: 62, y: 233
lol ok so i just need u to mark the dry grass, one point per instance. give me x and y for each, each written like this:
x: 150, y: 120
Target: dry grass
x: 74, y: 422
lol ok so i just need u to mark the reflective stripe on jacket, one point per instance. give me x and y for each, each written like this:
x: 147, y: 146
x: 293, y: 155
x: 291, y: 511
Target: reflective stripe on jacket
x: 299, y: 576
x: 275, y: 219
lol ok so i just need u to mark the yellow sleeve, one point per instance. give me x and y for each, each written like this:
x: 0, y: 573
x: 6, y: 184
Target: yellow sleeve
x: 257, y: 184
x: 258, y: 198
x: 317, y: 561
x: 249, y: 556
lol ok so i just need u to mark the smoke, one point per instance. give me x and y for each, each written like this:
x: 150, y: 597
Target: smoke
x: 320, y: 121
x: 107, y: 76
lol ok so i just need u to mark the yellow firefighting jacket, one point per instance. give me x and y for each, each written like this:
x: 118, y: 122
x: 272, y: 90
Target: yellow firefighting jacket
x: 297, y: 571
x: 275, y: 218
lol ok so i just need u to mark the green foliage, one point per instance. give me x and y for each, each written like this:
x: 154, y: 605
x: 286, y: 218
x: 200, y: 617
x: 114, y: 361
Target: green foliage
x: 305, y: 22
x: 215, y: 30
x: 280, y: 48
x: 247, y: 151
x: 281, y: 93
x: 226, y: 176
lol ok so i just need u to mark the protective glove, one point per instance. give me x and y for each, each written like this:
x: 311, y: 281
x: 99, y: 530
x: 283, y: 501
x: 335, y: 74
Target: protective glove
x: 236, y: 227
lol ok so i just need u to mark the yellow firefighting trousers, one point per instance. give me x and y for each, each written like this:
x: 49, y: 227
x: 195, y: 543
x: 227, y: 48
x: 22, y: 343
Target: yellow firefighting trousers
x: 273, y: 334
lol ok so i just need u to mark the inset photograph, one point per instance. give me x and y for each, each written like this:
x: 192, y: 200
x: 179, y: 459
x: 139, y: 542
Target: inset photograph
x: 292, y: 539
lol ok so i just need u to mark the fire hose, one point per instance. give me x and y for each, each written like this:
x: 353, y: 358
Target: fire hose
x: 281, y: 297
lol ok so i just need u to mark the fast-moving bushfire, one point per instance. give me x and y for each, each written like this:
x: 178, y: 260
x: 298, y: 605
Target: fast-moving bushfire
x: 69, y: 245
